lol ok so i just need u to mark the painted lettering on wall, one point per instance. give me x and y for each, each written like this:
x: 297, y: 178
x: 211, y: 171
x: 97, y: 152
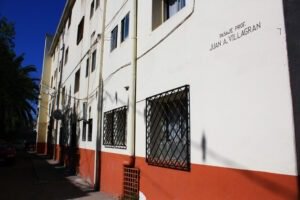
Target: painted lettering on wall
x: 234, y: 33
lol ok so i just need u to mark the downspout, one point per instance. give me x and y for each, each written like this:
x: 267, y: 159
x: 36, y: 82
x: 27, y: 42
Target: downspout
x: 97, y: 169
x: 132, y: 88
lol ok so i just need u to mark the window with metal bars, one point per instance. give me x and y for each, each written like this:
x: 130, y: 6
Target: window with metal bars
x: 168, y: 129
x: 115, y: 128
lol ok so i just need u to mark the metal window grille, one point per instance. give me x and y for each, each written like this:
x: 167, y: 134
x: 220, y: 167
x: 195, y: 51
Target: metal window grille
x: 131, y: 183
x: 115, y: 128
x: 168, y: 129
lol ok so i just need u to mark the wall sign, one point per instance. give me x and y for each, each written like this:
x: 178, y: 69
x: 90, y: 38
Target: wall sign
x: 234, y: 33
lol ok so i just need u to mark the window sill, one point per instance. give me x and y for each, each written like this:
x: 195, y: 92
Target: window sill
x: 114, y: 147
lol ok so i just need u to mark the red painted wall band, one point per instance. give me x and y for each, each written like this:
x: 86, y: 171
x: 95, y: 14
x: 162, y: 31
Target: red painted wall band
x: 41, y: 148
x: 202, y: 182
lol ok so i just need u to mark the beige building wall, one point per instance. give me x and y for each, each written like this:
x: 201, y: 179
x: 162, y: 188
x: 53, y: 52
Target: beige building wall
x: 42, y: 121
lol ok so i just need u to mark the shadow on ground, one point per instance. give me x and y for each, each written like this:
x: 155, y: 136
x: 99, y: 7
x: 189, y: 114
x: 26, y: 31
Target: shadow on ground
x: 33, y: 177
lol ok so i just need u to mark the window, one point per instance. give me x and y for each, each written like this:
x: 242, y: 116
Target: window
x: 49, y: 111
x: 63, y: 97
x: 114, y: 39
x: 84, y: 122
x: 90, y: 124
x: 77, y: 81
x: 70, y: 18
x: 87, y: 67
x: 124, y: 27
x: 90, y: 133
x: 167, y: 129
x: 51, y: 84
x: 84, y: 131
x: 115, y: 128
x: 92, y: 9
x: 80, y: 30
x: 94, y: 60
x: 55, y: 74
x: 97, y: 3
x: 162, y: 10
x: 66, y: 55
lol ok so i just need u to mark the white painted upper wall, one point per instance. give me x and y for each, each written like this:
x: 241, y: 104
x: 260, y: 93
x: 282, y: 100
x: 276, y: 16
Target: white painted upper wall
x: 77, y: 59
x: 240, y: 98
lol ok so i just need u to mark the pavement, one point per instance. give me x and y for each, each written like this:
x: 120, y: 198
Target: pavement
x: 34, y: 177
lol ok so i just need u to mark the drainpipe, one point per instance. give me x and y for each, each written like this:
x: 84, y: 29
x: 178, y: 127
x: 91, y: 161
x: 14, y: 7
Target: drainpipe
x: 132, y: 88
x: 97, y: 169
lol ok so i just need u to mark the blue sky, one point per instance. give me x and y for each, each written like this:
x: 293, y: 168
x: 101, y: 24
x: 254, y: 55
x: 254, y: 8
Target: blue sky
x: 33, y: 19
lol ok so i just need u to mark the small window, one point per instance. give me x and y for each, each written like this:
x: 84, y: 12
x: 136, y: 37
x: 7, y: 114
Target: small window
x: 49, y: 111
x: 124, y: 27
x: 51, y: 84
x: 77, y: 81
x: 87, y: 67
x: 94, y: 60
x: 84, y: 111
x: 162, y: 10
x: 97, y: 3
x: 92, y: 9
x: 80, y: 30
x: 55, y: 74
x: 114, y: 39
x: 63, y: 97
x: 70, y: 19
x: 90, y: 124
x: 84, y: 122
x: 115, y: 128
x: 84, y: 130
x: 66, y: 55
x: 90, y: 133
x: 167, y: 129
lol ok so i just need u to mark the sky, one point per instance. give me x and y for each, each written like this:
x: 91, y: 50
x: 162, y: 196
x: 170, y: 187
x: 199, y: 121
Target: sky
x: 32, y: 19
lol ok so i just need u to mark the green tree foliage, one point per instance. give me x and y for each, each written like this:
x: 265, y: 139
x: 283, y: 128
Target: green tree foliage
x: 18, y: 91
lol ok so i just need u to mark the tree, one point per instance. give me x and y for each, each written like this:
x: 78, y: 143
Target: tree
x: 18, y: 91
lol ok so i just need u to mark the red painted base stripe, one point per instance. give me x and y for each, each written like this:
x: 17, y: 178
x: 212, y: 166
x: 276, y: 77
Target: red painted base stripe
x: 202, y: 182
x: 41, y: 148
x: 86, y: 164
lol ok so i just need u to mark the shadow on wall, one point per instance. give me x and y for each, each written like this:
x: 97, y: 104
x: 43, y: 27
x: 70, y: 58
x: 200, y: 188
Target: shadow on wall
x: 292, y: 16
x: 275, y: 187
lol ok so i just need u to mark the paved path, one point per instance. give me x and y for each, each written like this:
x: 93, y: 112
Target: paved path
x: 33, y: 177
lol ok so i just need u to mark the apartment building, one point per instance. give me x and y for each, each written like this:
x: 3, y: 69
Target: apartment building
x: 43, y: 110
x: 178, y: 99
